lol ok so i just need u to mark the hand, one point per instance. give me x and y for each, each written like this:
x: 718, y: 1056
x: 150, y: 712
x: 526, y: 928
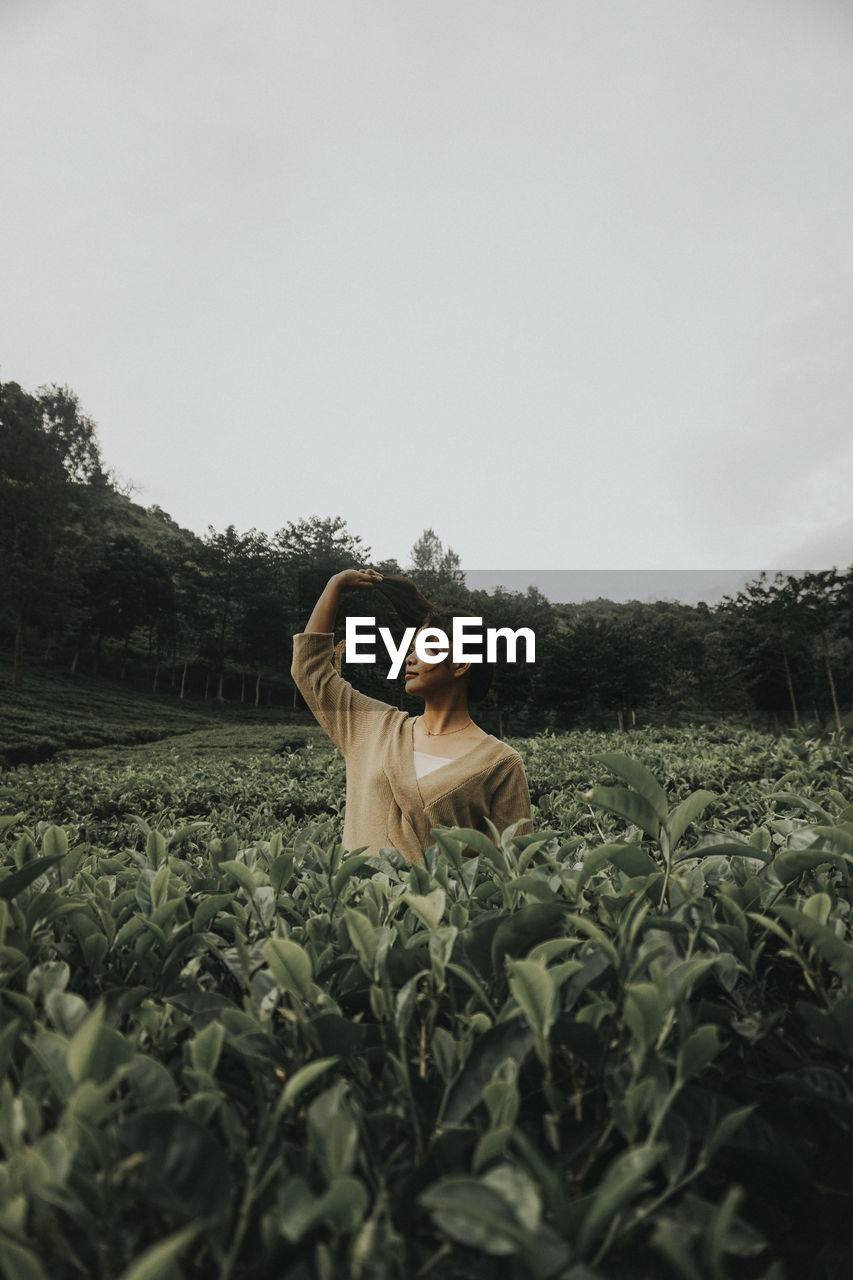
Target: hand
x: 350, y: 579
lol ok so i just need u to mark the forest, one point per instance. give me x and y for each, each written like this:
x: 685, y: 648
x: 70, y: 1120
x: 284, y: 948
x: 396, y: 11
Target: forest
x: 96, y: 583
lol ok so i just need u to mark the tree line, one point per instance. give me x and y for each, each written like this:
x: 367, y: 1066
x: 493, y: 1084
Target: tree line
x: 92, y: 580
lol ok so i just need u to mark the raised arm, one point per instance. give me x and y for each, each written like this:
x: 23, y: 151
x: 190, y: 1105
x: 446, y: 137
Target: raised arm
x: 325, y: 611
x: 339, y: 709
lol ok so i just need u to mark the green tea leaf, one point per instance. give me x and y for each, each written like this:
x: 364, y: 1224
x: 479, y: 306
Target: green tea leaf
x: 626, y: 804
x: 303, y: 1079
x: 429, y: 908
x: 726, y: 1128
x: 296, y: 1209
x: 644, y: 1012
x: 344, y: 1205
x: 699, y: 1049
x: 17, y: 1260
x: 522, y: 929
x: 467, y: 836
x: 686, y: 812
x: 12, y: 885
x: 290, y: 965
x: 54, y: 843
x: 623, y: 1181
x: 790, y: 864
x: 333, y: 1131
x: 839, y: 837
x: 643, y: 782
x: 155, y: 849
x: 837, y: 953
x: 533, y: 991
x: 206, y: 1047
x: 474, y: 1214
x: 511, y: 1040
x: 363, y: 938
x: 84, y: 1043
x: 598, y: 858
x: 240, y: 872
x: 157, y: 1262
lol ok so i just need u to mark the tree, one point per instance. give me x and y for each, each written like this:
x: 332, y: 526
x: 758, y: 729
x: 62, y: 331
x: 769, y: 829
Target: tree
x: 429, y: 556
x: 51, y: 491
x: 260, y: 628
x: 193, y: 608
x: 766, y: 629
x: 310, y: 552
x: 225, y: 558
x: 437, y: 572
x: 129, y: 586
x: 74, y: 435
x: 819, y: 601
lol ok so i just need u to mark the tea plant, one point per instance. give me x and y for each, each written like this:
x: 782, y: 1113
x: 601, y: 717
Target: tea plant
x: 614, y: 1053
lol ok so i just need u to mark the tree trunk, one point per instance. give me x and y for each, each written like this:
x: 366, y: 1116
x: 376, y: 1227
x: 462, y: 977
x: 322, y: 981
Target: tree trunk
x: 74, y: 661
x: 18, y: 665
x: 206, y: 684
x: 156, y: 677
x: 835, y: 709
x: 183, y: 680
x: 242, y: 686
x: 791, y: 690
x: 258, y: 690
x: 220, y: 696
x: 619, y: 722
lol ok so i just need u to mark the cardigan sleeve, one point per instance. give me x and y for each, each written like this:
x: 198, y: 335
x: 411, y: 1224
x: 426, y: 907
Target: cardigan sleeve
x: 510, y: 801
x: 338, y: 708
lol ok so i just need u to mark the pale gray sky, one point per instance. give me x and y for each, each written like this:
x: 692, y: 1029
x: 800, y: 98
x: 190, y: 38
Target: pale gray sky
x: 569, y: 282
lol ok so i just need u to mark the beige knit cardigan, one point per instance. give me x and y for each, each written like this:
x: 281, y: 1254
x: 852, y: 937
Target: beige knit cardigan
x: 386, y: 803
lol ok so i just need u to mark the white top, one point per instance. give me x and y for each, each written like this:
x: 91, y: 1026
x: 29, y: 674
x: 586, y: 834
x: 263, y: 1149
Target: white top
x: 425, y: 763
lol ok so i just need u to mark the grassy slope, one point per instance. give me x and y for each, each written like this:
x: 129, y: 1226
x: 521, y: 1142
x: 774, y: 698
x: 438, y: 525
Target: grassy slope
x: 57, y: 712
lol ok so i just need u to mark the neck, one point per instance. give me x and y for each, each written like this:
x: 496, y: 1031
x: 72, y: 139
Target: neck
x: 445, y: 716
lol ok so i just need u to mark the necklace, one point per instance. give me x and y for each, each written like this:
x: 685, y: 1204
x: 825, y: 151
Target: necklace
x: 446, y: 733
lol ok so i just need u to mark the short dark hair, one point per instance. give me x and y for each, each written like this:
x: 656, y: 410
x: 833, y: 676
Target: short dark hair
x: 480, y: 674
x: 414, y: 610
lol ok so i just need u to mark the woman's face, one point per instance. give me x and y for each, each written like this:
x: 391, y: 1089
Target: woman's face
x: 425, y: 679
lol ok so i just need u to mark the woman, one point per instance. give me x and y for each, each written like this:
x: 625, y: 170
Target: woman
x: 407, y: 774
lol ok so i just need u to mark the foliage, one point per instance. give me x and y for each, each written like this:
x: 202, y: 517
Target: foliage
x: 51, y: 493
x: 94, y: 581
x: 616, y: 1048
x: 437, y: 572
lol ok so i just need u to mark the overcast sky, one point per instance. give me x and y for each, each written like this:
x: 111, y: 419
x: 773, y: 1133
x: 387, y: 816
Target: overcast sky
x: 569, y: 282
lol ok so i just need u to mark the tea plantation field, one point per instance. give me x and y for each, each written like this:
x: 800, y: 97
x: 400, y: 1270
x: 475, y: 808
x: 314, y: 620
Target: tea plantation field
x: 619, y: 1048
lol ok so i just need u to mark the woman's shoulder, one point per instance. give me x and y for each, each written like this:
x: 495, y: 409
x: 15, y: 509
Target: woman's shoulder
x: 500, y: 754
x: 503, y: 748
